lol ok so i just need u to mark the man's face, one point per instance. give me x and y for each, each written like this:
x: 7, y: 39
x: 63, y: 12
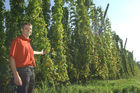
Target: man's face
x: 27, y: 30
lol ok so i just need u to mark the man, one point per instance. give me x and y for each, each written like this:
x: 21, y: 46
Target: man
x: 22, y: 60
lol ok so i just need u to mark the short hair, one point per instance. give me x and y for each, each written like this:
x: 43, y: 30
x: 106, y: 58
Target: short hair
x: 22, y: 26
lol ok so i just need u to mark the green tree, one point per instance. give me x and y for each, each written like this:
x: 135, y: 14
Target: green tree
x: 4, y: 75
x: 71, y: 35
x: 14, y: 22
x: 111, y: 59
x: 82, y: 41
x: 99, y: 69
x: 56, y: 37
x: 117, y: 51
x: 46, y: 12
x: 131, y: 63
x: 2, y: 33
x: 67, y: 36
x: 44, y: 65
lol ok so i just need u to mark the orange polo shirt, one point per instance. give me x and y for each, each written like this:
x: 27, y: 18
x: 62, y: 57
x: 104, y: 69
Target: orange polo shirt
x: 22, y: 52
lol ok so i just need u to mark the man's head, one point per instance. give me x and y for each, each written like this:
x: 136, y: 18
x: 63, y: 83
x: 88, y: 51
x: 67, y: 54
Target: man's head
x: 26, y: 29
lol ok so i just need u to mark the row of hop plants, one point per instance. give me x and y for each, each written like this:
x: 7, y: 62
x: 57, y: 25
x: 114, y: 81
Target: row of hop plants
x: 69, y: 32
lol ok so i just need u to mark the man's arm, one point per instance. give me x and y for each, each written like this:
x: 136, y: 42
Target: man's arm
x: 40, y: 52
x: 17, y: 78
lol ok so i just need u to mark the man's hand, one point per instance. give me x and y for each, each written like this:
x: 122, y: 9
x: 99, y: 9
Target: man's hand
x: 43, y: 52
x: 17, y: 80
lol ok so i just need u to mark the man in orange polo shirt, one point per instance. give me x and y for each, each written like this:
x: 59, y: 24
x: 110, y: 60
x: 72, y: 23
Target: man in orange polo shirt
x: 22, y: 60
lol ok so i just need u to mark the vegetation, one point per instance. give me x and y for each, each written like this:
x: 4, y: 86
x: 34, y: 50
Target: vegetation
x: 4, y: 71
x: 96, y: 86
x: 80, y: 48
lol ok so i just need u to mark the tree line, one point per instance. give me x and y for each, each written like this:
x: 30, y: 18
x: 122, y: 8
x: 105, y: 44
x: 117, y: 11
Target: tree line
x: 69, y: 32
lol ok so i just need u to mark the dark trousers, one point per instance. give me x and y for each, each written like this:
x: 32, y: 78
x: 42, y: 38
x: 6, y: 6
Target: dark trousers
x: 27, y: 76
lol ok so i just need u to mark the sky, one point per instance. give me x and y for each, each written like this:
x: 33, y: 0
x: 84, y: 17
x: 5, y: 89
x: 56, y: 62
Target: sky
x: 125, y: 20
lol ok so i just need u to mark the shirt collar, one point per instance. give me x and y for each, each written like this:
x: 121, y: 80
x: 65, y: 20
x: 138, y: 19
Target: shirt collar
x: 24, y: 38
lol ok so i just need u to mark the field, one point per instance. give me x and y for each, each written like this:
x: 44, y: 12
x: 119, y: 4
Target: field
x: 97, y: 86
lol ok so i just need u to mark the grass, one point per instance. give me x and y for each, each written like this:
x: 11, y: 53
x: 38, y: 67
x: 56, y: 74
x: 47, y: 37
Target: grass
x: 97, y: 86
